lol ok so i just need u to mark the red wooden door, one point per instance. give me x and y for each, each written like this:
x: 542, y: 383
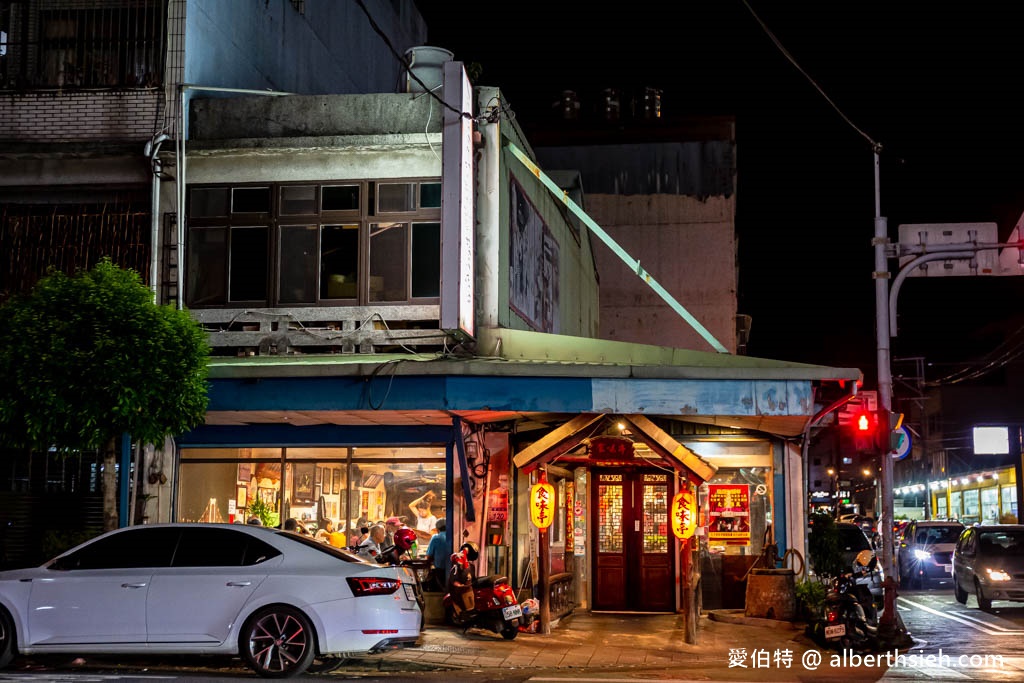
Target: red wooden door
x: 634, y: 552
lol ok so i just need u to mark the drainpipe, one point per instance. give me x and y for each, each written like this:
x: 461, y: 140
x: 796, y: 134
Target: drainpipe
x: 805, y: 449
x: 180, y: 161
x: 152, y: 152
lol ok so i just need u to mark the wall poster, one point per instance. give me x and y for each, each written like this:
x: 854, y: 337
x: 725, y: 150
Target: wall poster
x: 729, y: 514
x: 533, y: 264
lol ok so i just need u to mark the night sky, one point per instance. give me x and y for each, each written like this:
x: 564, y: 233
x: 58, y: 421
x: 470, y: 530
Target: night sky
x: 938, y: 86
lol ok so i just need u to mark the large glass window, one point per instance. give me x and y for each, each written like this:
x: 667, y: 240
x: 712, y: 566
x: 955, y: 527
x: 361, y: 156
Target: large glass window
x: 990, y: 505
x: 940, y: 507
x: 350, y: 487
x: 955, y: 509
x: 1008, y: 506
x: 313, y: 244
x: 971, y: 507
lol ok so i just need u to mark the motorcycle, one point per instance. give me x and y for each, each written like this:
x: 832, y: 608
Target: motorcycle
x: 495, y: 606
x: 850, y: 618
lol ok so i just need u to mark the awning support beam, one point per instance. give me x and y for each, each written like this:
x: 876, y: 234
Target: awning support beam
x: 633, y: 263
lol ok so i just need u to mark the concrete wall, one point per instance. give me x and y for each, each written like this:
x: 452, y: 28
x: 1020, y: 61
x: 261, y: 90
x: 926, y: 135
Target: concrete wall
x: 312, y: 47
x: 689, y: 247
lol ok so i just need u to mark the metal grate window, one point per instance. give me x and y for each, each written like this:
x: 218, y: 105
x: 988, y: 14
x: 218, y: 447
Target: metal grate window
x: 655, y: 520
x: 82, y: 43
x: 609, y: 525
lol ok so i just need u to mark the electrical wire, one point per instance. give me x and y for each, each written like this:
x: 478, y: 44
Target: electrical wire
x: 877, y: 146
x: 1006, y: 352
x: 404, y: 62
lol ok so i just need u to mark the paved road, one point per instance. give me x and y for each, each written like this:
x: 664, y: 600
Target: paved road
x: 963, y: 642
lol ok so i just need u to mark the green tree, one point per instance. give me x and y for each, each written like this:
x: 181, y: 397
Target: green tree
x: 86, y: 358
x: 823, y: 546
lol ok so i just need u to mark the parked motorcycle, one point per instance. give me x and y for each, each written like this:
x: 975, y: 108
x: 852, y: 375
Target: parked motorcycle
x: 495, y: 605
x: 850, y: 618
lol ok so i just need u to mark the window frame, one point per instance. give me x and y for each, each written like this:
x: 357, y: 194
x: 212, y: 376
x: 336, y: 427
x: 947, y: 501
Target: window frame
x: 276, y: 222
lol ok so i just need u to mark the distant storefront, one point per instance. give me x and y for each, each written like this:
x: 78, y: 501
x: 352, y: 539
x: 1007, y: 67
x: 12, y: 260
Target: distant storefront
x: 984, y: 497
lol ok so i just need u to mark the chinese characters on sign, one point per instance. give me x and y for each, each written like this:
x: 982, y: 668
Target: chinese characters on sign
x: 729, y: 513
x: 542, y: 495
x: 684, y: 513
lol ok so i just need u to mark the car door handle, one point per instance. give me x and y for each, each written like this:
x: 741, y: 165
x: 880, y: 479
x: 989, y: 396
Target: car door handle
x: 133, y: 585
x: 240, y: 584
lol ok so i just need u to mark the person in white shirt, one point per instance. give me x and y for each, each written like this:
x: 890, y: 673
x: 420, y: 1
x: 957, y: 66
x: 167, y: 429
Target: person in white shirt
x: 425, y: 518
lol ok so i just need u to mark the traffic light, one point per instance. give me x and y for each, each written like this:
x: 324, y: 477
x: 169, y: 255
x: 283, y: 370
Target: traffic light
x: 864, y: 431
x: 889, y: 438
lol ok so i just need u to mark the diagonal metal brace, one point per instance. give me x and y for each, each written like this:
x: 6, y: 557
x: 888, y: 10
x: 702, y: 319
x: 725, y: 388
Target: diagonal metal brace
x: 633, y: 263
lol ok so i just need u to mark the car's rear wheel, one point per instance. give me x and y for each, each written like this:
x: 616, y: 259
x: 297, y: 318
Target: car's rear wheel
x: 7, y: 639
x: 959, y: 593
x: 278, y: 642
x: 984, y: 604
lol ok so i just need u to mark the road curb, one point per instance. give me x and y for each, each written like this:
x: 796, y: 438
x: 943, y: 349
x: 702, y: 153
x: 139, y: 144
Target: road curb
x: 736, y: 616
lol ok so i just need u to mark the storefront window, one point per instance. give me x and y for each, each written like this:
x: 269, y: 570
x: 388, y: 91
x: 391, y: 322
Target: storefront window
x: 970, y: 506
x: 1009, y: 504
x: 940, y: 507
x: 352, y: 487
x: 954, y: 505
x: 990, y: 505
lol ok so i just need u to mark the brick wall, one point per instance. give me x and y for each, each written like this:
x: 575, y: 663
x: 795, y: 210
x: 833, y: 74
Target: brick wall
x: 77, y: 116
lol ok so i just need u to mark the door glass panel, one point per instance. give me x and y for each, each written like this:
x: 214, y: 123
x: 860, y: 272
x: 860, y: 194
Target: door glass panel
x: 298, y: 264
x: 426, y: 259
x: 609, y: 518
x: 248, y: 264
x: 954, y: 505
x: 339, y: 198
x: 396, y: 197
x: 970, y: 506
x: 339, y: 261
x: 389, y: 264
x: 207, y: 256
x: 298, y: 199
x: 219, y: 548
x: 990, y: 505
x: 655, y: 517
x: 128, y: 549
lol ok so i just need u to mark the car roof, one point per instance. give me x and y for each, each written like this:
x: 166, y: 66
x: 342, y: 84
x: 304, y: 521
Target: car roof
x: 998, y: 527
x: 933, y: 522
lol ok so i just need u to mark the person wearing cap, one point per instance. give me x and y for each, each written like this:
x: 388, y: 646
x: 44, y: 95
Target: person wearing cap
x: 391, y: 525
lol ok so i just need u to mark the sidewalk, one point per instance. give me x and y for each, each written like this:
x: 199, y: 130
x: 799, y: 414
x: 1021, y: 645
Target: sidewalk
x: 604, y: 642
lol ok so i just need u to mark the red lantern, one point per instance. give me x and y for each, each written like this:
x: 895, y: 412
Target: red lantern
x: 542, y: 503
x: 684, y: 513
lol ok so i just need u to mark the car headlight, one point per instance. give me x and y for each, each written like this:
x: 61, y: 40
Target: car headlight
x: 998, y: 575
x: 922, y: 554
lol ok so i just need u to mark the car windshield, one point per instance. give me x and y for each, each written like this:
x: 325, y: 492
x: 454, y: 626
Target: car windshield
x: 852, y: 538
x: 1002, y: 543
x: 930, y: 535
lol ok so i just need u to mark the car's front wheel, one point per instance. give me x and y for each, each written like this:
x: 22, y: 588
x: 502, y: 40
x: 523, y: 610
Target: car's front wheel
x: 278, y: 642
x: 984, y: 604
x: 959, y: 593
x: 7, y: 639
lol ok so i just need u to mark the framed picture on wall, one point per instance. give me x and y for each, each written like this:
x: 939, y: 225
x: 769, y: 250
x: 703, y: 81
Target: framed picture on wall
x: 336, y: 481
x: 302, y: 483
x: 242, y: 497
x: 244, y: 472
x: 320, y: 475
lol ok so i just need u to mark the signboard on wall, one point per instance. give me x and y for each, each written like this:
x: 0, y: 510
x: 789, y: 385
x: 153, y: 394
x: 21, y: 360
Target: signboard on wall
x: 729, y: 514
x: 533, y: 264
x: 458, y: 222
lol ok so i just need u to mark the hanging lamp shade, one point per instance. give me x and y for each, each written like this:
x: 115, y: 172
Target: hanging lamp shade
x: 684, y: 513
x: 542, y: 503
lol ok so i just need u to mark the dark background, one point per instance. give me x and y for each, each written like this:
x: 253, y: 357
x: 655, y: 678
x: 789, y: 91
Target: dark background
x: 938, y: 86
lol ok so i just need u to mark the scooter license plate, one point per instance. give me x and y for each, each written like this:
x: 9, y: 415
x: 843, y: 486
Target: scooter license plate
x: 837, y: 631
x: 410, y: 592
x: 512, y: 612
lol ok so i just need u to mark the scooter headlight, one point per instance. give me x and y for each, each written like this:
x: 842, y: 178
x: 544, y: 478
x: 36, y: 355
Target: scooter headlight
x: 922, y: 554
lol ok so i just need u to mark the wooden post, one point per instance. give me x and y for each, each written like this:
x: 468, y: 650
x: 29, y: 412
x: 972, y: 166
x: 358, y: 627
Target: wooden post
x: 544, y: 572
x: 690, y: 616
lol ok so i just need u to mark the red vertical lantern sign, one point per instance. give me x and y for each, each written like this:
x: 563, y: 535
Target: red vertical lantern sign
x: 684, y: 512
x: 542, y: 498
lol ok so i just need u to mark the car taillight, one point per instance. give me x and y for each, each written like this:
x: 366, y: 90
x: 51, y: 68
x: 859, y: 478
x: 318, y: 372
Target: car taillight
x: 832, y: 615
x: 369, y: 585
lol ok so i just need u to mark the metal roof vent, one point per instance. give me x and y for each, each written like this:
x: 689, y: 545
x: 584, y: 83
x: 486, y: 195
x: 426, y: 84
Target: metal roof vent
x: 426, y: 63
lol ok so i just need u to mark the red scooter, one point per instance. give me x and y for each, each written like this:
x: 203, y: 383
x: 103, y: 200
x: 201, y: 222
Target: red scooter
x: 496, y: 608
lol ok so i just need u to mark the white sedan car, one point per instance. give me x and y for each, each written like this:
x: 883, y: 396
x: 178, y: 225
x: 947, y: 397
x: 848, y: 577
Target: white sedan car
x: 275, y: 598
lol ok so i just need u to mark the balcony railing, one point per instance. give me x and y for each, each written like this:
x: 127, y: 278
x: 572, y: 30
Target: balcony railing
x: 96, y: 44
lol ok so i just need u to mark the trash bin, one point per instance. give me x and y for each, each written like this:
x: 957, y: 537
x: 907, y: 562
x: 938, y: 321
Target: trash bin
x: 771, y: 594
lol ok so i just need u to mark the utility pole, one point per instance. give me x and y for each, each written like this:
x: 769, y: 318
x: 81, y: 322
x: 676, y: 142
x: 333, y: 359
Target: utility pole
x: 889, y: 628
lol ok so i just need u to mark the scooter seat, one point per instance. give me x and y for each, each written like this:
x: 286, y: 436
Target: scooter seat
x: 489, y: 581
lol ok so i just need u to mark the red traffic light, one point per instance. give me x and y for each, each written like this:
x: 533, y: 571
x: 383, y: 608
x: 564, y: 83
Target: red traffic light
x: 863, y: 422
